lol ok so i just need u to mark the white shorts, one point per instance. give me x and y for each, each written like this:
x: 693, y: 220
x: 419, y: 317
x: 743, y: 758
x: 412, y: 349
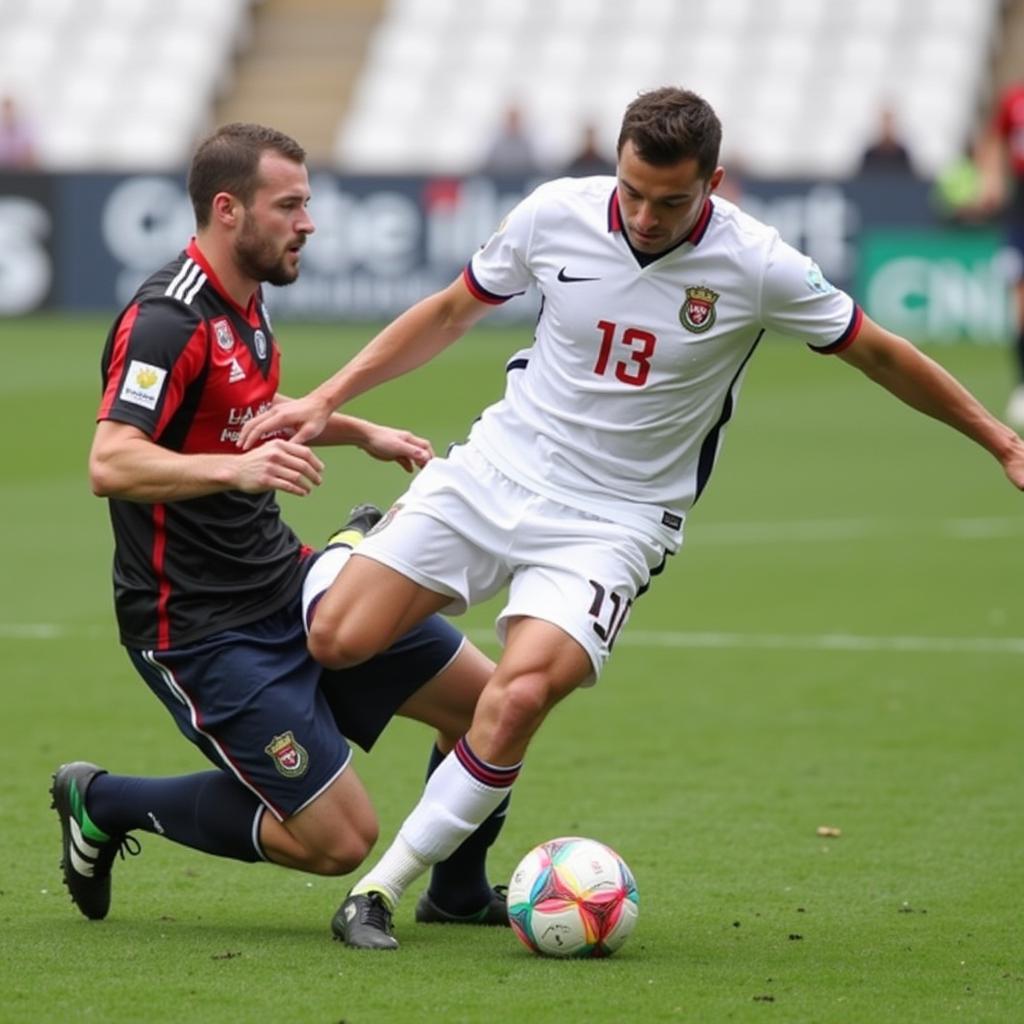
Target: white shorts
x: 465, y: 530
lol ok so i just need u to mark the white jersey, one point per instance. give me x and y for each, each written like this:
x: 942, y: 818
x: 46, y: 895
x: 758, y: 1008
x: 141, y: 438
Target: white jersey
x: 620, y: 405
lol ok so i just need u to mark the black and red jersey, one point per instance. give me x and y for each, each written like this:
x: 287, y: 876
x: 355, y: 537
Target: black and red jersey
x: 1009, y: 125
x: 188, y: 366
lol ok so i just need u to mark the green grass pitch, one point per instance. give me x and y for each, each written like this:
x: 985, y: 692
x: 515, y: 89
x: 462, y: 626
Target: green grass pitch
x: 840, y: 644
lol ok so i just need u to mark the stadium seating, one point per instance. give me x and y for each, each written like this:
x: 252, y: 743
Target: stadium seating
x: 800, y: 84
x: 117, y: 83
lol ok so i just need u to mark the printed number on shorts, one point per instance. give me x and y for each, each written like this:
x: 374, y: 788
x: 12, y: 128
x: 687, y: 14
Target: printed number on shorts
x: 640, y: 346
x: 609, y: 611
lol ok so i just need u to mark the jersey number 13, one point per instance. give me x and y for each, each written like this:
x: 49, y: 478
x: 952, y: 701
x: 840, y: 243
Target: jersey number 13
x: 639, y: 345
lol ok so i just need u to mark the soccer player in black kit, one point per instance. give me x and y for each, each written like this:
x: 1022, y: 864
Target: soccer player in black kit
x: 208, y: 579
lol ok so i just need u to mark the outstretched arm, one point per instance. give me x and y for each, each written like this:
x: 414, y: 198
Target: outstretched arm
x: 387, y: 444
x: 411, y: 340
x: 914, y: 378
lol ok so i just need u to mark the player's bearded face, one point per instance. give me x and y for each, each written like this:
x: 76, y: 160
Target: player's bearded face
x: 275, y: 223
x: 263, y: 254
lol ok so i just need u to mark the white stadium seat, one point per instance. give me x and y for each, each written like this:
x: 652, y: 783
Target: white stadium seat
x: 771, y: 67
x: 96, y: 77
x: 438, y: 73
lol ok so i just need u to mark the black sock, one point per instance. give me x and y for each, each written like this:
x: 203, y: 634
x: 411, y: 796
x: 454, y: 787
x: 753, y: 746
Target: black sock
x: 1020, y: 356
x: 459, y: 884
x: 208, y: 811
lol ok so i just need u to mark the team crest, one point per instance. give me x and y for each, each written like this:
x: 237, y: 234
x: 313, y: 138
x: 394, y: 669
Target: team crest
x: 222, y: 332
x: 697, y: 313
x: 290, y: 758
x: 260, y: 341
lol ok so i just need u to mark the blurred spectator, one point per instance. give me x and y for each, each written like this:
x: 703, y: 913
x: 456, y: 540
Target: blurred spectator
x: 17, y: 141
x: 957, y: 189
x: 590, y: 159
x: 1001, y: 160
x: 887, y: 154
x: 511, y: 152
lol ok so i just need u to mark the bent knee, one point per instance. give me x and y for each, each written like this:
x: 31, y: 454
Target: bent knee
x: 524, y: 701
x: 335, y: 647
x: 341, y: 858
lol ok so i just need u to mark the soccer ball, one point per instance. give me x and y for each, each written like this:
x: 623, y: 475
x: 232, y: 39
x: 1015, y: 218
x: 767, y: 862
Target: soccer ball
x: 572, y: 897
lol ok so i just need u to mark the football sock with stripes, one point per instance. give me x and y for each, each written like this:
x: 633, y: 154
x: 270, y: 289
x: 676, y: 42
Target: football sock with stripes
x: 459, y: 883
x: 461, y: 793
x: 208, y: 811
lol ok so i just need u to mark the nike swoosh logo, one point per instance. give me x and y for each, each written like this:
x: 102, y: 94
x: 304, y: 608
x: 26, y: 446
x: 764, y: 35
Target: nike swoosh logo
x: 563, y: 276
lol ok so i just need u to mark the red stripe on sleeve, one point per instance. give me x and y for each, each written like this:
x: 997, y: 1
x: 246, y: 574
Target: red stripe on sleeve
x: 478, y: 291
x: 852, y: 330
x: 846, y: 338
x: 115, y: 370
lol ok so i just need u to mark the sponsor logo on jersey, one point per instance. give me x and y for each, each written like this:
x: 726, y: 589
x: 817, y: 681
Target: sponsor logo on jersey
x: 259, y: 339
x: 237, y: 373
x: 223, y: 333
x: 290, y: 758
x: 238, y: 415
x: 697, y: 313
x: 143, y: 384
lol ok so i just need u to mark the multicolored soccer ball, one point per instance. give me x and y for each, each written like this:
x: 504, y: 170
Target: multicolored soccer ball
x: 572, y: 897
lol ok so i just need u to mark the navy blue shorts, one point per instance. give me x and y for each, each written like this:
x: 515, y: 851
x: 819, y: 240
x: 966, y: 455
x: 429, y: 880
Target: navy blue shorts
x: 257, y: 704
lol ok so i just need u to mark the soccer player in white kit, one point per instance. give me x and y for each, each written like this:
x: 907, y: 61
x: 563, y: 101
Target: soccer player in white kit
x: 573, y: 489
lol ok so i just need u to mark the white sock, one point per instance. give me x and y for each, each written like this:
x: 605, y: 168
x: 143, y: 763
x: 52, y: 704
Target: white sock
x: 396, y: 870
x: 324, y: 572
x: 453, y: 805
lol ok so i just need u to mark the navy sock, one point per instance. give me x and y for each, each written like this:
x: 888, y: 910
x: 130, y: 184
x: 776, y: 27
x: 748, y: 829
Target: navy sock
x: 208, y: 811
x: 459, y: 884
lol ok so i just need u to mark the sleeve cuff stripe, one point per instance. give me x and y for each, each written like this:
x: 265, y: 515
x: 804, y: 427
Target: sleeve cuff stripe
x: 479, y: 291
x: 846, y: 338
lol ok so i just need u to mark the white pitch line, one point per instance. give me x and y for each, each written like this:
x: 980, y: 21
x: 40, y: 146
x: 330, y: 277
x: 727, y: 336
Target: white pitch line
x: 826, y: 530
x: 47, y: 631
x: 807, y: 642
x: 31, y: 631
x: 670, y: 639
x: 826, y: 642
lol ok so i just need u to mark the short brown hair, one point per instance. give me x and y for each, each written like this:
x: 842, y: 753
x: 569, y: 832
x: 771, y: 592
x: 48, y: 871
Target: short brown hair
x: 668, y: 125
x: 229, y: 160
